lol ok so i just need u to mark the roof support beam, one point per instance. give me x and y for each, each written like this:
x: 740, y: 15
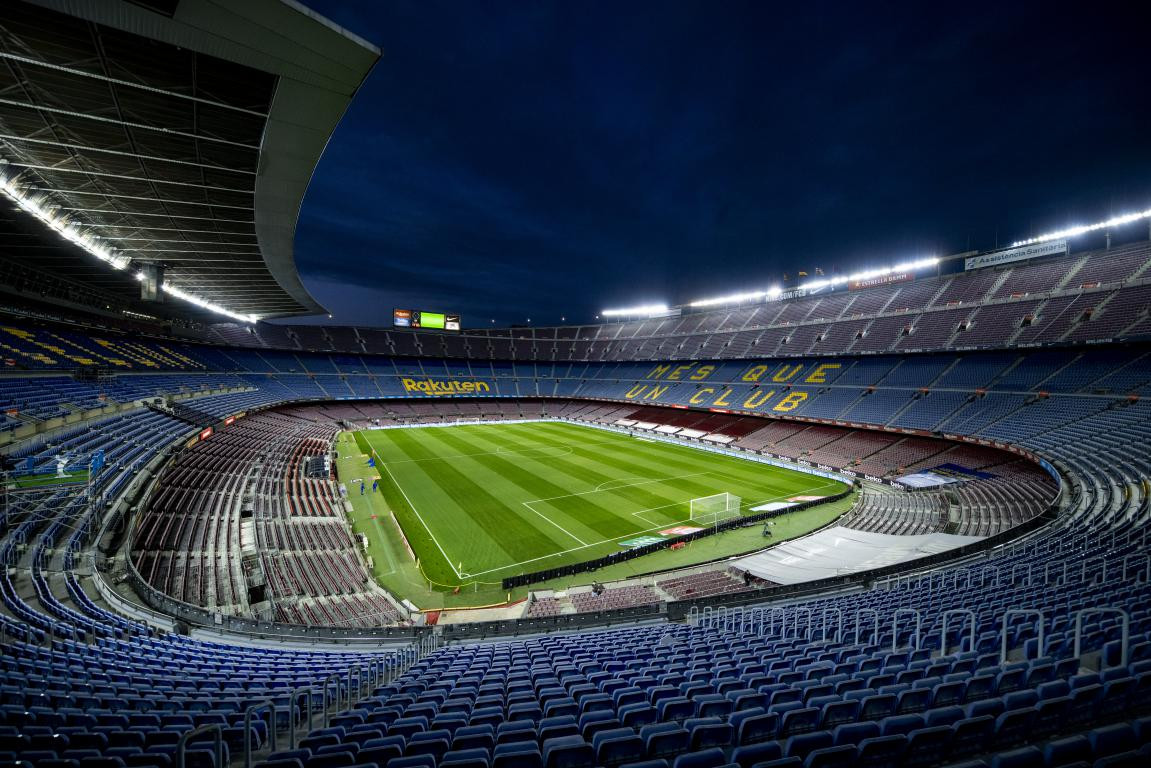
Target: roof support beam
x: 126, y: 124
x: 156, y: 158
x: 127, y: 83
x: 103, y: 174
x: 141, y: 197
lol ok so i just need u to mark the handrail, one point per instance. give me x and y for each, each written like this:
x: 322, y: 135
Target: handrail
x: 875, y: 631
x: 986, y: 568
x: 809, y: 622
x: 838, y: 623
x: 218, y: 743
x: 252, y: 709
x: 294, y: 719
x: 1138, y: 556
x: 327, y: 684
x: 1047, y: 566
x: 943, y: 630
x: 1126, y: 629
x: 895, y: 626
x: 1003, y: 630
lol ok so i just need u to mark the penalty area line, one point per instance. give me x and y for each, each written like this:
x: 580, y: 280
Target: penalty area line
x: 661, y: 526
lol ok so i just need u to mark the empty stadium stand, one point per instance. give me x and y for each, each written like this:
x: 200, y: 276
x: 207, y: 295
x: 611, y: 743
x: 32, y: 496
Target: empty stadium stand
x: 1036, y: 455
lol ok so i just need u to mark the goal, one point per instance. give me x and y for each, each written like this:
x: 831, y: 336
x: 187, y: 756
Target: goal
x: 714, y: 509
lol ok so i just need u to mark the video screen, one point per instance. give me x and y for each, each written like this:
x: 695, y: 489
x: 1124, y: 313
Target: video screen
x: 415, y: 318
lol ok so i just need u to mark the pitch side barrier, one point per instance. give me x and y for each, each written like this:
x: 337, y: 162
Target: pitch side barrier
x: 630, y: 554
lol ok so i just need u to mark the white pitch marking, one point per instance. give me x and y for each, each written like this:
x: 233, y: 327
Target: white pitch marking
x: 645, y: 530
x: 423, y: 522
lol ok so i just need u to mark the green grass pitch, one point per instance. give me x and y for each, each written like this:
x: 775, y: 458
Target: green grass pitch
x: 482, y: 502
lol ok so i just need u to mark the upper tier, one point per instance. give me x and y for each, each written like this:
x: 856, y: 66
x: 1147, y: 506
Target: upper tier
x: 1085, y: 297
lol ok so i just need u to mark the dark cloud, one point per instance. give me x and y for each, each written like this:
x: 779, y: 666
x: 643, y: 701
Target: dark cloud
x: 536, y: 158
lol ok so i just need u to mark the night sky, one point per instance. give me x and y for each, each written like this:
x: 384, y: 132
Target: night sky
x: 538, y: 159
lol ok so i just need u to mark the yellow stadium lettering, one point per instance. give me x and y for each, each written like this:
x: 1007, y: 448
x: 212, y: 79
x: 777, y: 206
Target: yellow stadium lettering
x: 755, y: 372
x: 723, y: 399
x: 790, y: 403
x: 636, y: 391
x: 701, y: 395
x: 655, y: 393
x: 482, y: 386
x: 756, y: 399
x: 784, y: 373
x: 410, y: 385
x: 702, y: 372
x: 658, y: 371
x: 819, y: 375
x: 680, y: 370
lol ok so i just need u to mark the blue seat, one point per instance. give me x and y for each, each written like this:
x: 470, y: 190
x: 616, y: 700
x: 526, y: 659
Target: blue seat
x: 516, y: 755
x: 943, y: 716
x: 914, y: 700
x: 853, y: 733
x: 591, y: 722
x: 380, y: 755
x: 877, y: 707
x: 664, y: 739
x: 757, y: 728
x: 708, y: 758
x: 927, y: 746
x: 1050, y: 714
x: 1112, y: 739
x: 1012, y: 727
x: 679, y: 708
x: 753, y: 754
x: 619, y: 749
x: 341, y: 759
x: 839, y: 712
x: 1072, y: 749
x: 880, y: 751
x: 946, y: 694
x: 1024, y: 757
x: 900, y: 724
x: 803, y: 744
x: 638, y: 715
x: 707, y: 735
x: 971, y: 735
x: 799, y: 721
x: 465, y: 758
x: 568, y: 752
x: 435, y: 747
x: 831, y: 757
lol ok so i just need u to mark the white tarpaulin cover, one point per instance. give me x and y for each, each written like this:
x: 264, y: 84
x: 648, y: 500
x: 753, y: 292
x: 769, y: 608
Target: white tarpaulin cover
x: 925, y: 480
x: 838, y: 550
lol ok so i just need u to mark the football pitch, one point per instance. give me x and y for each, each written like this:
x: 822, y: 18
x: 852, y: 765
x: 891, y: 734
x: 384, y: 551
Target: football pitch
x: 478, y: 503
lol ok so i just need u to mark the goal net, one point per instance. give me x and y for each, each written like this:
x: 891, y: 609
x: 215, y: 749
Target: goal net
x: 711, y: 510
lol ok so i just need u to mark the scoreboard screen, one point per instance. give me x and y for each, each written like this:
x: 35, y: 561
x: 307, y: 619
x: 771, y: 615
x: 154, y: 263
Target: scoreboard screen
x: 415, y: 318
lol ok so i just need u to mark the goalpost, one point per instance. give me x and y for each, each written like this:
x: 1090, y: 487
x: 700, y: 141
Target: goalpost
x: 714, y: 509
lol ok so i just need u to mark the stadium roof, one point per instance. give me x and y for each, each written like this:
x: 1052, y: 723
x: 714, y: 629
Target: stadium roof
x: 179, y: 132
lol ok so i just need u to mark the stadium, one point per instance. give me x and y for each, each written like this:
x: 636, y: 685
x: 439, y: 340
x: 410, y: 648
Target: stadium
x: 895, y: 518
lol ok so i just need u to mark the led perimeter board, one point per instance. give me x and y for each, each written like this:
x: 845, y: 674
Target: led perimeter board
x: 414, y: 318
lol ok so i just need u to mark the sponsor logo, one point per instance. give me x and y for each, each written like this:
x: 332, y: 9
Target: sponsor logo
x: 680, y: 530
x: 640, y: 541
x: 438, y: 387
x: 1020, y: 253
x: 900, y: 277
